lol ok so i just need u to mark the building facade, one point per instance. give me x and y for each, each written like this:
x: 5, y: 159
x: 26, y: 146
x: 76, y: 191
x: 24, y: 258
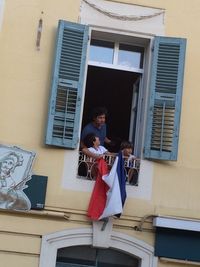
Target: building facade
x: 60, y: 59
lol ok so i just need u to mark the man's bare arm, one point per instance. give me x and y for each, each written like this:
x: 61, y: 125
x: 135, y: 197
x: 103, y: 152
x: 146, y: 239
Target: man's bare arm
x: 107, y: 140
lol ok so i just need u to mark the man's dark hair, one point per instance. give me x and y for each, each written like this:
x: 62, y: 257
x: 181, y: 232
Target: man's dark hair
x: 126, y: 144
x: 89, y: 139
x: 98, y: 111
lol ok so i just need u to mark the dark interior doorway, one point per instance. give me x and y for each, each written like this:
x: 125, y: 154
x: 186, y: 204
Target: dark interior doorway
x: 112, y: 89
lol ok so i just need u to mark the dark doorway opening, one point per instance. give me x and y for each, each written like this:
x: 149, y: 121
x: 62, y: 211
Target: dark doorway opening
x: 112, y: 89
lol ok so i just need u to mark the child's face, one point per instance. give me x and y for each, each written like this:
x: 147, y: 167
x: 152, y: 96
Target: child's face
x: 97, y: 141
x: 127, y: 152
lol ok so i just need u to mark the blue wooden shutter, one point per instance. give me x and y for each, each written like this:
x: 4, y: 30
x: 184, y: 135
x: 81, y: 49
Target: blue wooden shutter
x: 163, y: 114
x: 67, y: 84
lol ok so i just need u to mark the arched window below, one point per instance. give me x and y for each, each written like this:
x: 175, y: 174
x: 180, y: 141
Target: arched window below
x: 87, y: 256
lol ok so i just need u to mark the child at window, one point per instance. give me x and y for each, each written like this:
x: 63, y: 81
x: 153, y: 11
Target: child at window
x: 127, y: 149
x: 131, y: 170
x: 92, y: 142
x: 97, y: 151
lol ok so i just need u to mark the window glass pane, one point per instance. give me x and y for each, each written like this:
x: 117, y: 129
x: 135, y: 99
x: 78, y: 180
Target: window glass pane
x: 130, y: 56
x: 101, y: 51
x: 85, y: 256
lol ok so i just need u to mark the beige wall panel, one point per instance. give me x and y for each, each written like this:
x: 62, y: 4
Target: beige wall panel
x: 37, y: 226
x: 19, y: 243
x: 30, y: 229
x: 12, y: 259
x: 171, y: 264
x: 25, y: 75
x: 26, y: 79
x: 176, y: 189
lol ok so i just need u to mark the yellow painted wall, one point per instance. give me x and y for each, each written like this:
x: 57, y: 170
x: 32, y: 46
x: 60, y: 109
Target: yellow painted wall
x: 25, y: 78
x: 25, y: 83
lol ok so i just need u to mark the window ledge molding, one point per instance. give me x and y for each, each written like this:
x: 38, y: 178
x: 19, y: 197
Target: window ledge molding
x: 177, y: 223
x: 170, y: 260
x: 43, y: 213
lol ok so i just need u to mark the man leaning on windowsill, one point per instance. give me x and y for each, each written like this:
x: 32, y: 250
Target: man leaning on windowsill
x: 98, y: 127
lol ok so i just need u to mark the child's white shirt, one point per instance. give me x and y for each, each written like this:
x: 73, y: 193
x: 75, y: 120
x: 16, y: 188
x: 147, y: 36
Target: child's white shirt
x: 130, y: 161
x: 99, y: 151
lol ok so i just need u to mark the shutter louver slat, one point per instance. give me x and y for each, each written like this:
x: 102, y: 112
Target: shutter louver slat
x: 65, y: 108
x: 163, y: 122
x: 72, y: 46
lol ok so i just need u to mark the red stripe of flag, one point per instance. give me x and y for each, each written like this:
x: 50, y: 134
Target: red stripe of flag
x: 98, y: 199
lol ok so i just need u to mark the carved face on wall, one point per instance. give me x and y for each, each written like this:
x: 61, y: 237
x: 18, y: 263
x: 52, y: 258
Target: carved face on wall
x: 8, y: 163
x: 6, y: 166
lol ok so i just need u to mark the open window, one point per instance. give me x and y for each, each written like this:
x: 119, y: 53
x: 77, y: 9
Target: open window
x: 116, y: 90
x: 114, y: 75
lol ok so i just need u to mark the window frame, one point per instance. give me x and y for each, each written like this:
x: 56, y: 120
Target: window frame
x: 114, y: 64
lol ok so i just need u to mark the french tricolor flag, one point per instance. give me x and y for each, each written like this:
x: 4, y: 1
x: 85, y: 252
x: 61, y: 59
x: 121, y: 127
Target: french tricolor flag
x: 109, y: 193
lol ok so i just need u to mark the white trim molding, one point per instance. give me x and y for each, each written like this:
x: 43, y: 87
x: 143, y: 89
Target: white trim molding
x: 2, y: 3
x: 122, y: 16
x: 84, y: 236
x: 177, y: 223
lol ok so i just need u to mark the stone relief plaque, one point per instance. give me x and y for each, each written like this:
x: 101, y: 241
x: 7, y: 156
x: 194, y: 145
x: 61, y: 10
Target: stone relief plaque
x: 15, y: 171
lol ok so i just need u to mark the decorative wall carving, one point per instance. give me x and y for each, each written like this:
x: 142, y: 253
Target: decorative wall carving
x: 15, y: 171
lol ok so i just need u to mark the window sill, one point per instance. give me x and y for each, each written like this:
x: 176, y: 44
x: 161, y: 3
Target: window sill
x: 87, y: 168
